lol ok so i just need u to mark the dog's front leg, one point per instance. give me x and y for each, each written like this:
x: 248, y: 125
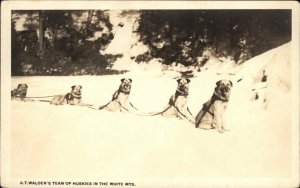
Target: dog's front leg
x: 189, y: 116
x: 218, y: 116
x: 183, y: 114
x: 223, y: 108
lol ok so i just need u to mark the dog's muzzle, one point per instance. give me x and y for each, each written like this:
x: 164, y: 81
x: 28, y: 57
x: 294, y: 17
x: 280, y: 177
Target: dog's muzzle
x: 183, y: 88
x: 227, y: 89
x: 23, y: 91
x: 127, y: 87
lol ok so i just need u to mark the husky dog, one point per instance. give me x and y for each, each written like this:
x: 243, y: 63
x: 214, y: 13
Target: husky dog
x: 178, y: 103
x: 210, y: 116
x: 120, y: 99
x: 20, y: 92
x: 73, y: 98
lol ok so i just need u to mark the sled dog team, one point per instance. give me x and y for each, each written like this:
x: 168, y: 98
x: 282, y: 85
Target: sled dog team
x: 209, y: 117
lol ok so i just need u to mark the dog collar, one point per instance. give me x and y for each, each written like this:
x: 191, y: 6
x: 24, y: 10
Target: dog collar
x: 181, y: 93
x: 75, y: 96
x: 126, y: 92
x: 218, y: 97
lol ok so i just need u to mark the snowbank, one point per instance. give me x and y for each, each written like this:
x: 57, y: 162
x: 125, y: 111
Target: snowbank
x: 276, y: 66
x: 51, y: 141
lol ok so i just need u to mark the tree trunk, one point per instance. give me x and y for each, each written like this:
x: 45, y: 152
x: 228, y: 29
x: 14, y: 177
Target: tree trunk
x: 41, y: 34
x: 195, y: 36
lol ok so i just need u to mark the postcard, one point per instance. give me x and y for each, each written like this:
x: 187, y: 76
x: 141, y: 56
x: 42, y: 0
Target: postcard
x: 149, y: 94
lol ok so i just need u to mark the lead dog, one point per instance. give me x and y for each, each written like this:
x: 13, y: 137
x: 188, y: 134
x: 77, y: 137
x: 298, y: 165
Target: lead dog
x: 120, y: 99
x: 20, y: 92
x: 178, y: 103
x: 210, y: 116
x: 73, y: 98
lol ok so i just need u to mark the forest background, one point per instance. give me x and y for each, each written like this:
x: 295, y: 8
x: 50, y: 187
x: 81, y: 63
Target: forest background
x: 73, y: 42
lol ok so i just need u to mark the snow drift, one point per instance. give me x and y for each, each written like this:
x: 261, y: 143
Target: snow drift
x: 79, y: 142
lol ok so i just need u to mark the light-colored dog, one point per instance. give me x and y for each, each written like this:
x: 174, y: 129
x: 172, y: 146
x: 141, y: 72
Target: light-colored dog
x: 210, y: 116
x: 120, y: 99
x: 20, y: 92
x: 178, y: 103
x: 73, y: 98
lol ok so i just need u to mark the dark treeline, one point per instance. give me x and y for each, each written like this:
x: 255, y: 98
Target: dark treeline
x: 238, y: 34
x: 60, y: 42
x: 67, y: 42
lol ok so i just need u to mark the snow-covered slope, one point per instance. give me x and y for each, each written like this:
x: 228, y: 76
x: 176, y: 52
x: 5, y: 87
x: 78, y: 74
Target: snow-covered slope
x: 276, y: 66
x: 79, y: 142
x: 126, y: 40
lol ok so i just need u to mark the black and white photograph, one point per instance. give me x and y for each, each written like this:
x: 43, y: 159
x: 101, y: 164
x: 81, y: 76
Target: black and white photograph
x: 149, y: 94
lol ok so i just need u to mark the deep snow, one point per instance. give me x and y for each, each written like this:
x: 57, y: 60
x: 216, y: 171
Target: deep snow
x: 79, y: 142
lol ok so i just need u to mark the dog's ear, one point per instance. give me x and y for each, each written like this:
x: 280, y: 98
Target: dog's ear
x: 188, y: 80
x: 122, y: 80
x: 178, y: 80
x: 80, y: 86
x: 19, y: 85
x: 26, y: 85
x: 231, y: 83
x: 218, y: 83
x: 73, y: 87
x: 130, y: 80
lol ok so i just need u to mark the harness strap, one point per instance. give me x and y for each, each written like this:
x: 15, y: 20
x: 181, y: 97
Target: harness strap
x: 123, y: 106
x: 181, y: 93
x: 173, y: 104
x: 132, y: 106
x: 101, y: 107
x: 42, y: 96
x: 114, y: 98
x: 158, y: 113
x: 189, y: 111
x: 126, y: 92
x: 120, y: 91
x: 206, y: 108
x: 183, y: 114
x: 154, y: 114
x: 217, y: 96
x: 69, y: 97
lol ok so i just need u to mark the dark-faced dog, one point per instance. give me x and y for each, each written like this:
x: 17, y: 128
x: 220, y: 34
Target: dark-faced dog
x: 120, y: 99
x: 178, y: 103
x: 210, y: 116
x: 20, y: 92
x: 73, y: 98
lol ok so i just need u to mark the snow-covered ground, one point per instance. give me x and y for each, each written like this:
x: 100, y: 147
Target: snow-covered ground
x: 79, y: 142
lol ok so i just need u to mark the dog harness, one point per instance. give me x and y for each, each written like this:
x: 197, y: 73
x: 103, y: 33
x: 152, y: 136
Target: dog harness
x: 177, y: 94
x: 70, y: 96
x: 172, y: 103
x: 181, y: 93
x: 116, y: 97
x: 207, y: 105
x: 122, y: 91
